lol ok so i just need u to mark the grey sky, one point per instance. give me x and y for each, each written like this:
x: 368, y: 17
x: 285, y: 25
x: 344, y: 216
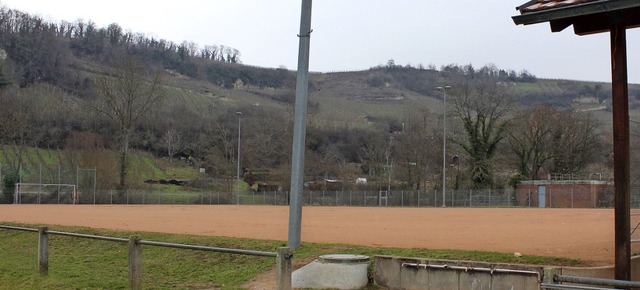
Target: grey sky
x: 359, y: 34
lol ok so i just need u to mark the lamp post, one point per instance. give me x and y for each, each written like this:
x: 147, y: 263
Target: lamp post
x: 444, y: 143
x: 239, y: 114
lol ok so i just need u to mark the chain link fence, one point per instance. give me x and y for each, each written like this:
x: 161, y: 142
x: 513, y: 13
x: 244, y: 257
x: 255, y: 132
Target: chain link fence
x: 41, y: 183
x: 397, y: 198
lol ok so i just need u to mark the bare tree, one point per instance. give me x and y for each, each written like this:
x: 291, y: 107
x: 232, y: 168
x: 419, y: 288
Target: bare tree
x: 544, y: 138
x: 530, y: 139
x: 172, y: 142
x: 415, y: 150
x: 125, y: 97
x: 577, y: 142
x: 374, y: 150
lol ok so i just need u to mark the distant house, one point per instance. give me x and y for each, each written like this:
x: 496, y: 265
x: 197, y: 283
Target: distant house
x: 565, y: 193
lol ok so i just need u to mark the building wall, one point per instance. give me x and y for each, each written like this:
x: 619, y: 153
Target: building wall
x: 566, y: 194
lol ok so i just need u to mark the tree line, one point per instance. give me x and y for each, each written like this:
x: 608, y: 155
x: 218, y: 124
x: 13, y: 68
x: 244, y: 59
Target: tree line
x: 46, y: 51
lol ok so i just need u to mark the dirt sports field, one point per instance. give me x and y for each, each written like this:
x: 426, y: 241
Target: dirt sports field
x: 587, y: 234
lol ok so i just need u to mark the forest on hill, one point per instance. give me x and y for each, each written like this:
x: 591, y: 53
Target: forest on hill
x: 97, y: 94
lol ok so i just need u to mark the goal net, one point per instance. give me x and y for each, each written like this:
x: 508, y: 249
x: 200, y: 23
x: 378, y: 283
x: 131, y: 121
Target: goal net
x: 45, y: 193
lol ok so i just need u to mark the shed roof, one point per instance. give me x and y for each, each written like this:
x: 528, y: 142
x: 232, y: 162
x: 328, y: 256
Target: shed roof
x: 586, y: 16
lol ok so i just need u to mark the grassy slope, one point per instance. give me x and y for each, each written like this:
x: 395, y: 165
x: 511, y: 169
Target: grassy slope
x: 143, y: 165
x: 76, y: 263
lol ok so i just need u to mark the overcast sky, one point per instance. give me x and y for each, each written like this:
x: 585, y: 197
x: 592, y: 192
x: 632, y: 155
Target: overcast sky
x: 359, y: 34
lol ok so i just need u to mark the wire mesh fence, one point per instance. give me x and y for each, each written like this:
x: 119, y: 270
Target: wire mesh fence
x: 367, y: 198
x: 398, y: 198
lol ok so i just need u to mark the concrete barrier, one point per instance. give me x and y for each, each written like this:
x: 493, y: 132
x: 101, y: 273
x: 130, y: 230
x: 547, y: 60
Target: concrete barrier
x: 429, y: 274
x: 337, y: 271
x: 415, y: 273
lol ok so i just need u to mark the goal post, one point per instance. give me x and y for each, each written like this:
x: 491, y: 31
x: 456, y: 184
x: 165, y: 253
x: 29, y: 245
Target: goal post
x: 50, y: 193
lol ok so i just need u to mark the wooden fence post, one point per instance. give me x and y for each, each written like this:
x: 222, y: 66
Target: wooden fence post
x: 135, y: 263
x: 283, y: 263
x: 43, y: 251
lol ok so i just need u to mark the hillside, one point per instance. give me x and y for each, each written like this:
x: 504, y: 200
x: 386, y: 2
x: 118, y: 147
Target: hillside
x: 51, y: 95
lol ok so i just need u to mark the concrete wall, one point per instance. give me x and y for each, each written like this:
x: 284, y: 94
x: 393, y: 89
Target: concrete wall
x: 414, y: 273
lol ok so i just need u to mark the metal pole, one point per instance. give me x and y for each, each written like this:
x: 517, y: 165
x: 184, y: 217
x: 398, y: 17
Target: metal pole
x: 95, y: 170
x: 59, y: 181
x: 444, y: 143
x: 40, y: 181
x: 621, y: 152
x: 239, y: 114
x: 77, y: 183
x: 299, y: 127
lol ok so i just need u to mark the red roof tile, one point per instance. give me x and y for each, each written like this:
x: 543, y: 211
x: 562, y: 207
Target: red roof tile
x: 551, y: 4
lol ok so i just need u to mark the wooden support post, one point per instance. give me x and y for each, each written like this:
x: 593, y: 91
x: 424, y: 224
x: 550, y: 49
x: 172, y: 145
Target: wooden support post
x: 621, y: 152
x: 283, y: 263
x: 43, y: 251
x: 135, y: 263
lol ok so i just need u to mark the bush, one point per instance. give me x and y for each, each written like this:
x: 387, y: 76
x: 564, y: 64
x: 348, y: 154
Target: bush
x: 9, y: 186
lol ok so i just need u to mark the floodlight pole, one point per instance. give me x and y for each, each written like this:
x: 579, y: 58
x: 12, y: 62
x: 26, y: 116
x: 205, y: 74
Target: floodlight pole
x: 299, y: 128
x: 444, y: 143
x: 239, y: 114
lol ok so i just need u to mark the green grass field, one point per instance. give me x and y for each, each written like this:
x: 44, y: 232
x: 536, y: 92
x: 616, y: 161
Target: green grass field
x: 76, y: 263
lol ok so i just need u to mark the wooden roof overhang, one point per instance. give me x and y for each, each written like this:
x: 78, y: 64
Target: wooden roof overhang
x: 587, y: 17
x: 590, y: 17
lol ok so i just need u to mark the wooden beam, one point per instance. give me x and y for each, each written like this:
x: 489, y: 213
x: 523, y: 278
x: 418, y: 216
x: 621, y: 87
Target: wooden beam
x: 592, y: 24
x: 621, y: 152
x: 560, y: 24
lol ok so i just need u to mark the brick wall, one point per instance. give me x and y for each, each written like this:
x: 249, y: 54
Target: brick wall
x: 566, y: 194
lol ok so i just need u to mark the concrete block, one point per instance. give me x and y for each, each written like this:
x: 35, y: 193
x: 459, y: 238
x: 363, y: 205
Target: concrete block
x: 333, y: 272
x: 386, y: 272
x: 443, y: 279
x: 414, y: 277
x: 475, y: 280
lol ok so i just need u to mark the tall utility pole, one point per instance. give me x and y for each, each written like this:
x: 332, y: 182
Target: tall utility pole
x: 444, y: 143
x: 239, y: 114
x: 299, y: 128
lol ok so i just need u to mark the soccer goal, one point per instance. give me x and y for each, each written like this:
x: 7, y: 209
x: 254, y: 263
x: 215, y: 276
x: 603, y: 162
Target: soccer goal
x: 47, y: 193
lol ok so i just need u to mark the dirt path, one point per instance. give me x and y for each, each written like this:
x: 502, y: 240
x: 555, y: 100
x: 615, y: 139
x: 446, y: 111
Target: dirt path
x: 586, y: 234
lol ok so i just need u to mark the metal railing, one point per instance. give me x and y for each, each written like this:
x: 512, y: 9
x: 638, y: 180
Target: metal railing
x: 593, y: 283
x: 474, y: 269
x: 283, y: 255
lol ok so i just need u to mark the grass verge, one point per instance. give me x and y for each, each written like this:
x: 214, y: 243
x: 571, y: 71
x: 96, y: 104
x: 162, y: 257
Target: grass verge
x: 76, y: 263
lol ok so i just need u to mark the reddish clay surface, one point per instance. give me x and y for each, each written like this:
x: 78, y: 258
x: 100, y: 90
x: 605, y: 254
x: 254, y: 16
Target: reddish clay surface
x: 586, y: 234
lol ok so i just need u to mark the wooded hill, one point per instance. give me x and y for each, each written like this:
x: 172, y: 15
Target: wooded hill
x: 361, y: 123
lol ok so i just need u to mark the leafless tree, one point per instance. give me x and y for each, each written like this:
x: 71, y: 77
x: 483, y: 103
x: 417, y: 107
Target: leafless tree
x: 373, y: 155
x: 15, y: 126
x: 172, y: 142
x: 125, y: 97
x: 544, y: 138
x: 416, y: 150
x: 577, y: 142
x: 530, y: 139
